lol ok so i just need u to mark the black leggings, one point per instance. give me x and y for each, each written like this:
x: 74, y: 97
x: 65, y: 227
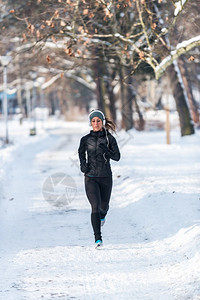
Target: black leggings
x: 98, y: 191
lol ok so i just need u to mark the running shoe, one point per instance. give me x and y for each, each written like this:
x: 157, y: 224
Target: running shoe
x: 98, y: 244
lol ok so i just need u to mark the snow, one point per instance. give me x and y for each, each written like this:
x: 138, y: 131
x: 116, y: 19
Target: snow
x: 164, y: 29
x: 187, y: 42
x: 180, y: 79
x: 152, y: 231
x: 179, y: 6
x: 174, y: 54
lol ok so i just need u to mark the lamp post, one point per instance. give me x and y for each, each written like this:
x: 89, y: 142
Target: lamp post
x: 5, y: 61
x: 28, y: 87
x: 33, y: 129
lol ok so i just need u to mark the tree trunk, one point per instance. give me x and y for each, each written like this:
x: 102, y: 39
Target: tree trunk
x: 186, y: 125
x: 188, y: 88
x: 112, y: 103
x: 129, y: 100
x: 111, y: 96
x: 122, y: 96
x: 98, y: 68
x: 126, y: 99
x: 141, y: 123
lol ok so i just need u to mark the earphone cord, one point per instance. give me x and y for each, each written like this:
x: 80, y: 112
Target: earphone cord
x: 107, y: 137
x: 104, y: 155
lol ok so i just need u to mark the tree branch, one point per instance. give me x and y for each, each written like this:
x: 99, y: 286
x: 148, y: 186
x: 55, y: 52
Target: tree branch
x: 181, y: 48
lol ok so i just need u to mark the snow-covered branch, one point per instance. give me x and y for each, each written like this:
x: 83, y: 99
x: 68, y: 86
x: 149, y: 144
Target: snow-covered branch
x: 90, y: 86
x: 179, y: 6
x: 180, y: 49
x: 50, y: 82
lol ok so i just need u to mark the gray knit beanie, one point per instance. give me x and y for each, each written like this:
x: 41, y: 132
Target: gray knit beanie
x: 96, y: 113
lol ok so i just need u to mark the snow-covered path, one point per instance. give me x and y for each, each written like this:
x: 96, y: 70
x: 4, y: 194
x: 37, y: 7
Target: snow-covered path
x: 152, y: 232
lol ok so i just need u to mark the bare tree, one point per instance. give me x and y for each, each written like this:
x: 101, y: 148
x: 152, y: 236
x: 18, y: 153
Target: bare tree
x: 132, y: 34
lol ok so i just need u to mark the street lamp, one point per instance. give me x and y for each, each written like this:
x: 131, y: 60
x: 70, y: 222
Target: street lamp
x: 5, y: 61
x: 28, y: 87
x: 33, y: 77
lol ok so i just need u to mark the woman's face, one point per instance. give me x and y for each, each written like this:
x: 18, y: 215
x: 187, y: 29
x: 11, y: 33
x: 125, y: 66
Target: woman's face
x: 97, y: 124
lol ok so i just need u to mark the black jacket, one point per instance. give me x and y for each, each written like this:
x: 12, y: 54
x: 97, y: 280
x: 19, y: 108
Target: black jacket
x: 99, y: 148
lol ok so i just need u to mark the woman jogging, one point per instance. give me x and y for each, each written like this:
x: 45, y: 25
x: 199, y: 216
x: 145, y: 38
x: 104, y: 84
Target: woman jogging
x: 95, y: 151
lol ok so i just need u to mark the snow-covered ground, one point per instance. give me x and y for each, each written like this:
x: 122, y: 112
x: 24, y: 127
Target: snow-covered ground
x: 152, y: 232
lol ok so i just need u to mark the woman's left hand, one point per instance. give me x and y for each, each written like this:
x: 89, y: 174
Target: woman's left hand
x: 104, y: 148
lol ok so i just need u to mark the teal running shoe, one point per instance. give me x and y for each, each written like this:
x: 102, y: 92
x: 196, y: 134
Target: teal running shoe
x: 98, y: 244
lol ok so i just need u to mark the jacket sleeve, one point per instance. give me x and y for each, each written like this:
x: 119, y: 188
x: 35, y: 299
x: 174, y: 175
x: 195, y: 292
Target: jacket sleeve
x: 113, y: 151
x: 82, y: 156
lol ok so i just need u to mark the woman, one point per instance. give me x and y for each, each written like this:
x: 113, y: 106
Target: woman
x: 95, y: 151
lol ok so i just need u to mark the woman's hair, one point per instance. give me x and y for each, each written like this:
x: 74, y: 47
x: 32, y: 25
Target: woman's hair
x: 110, y: 125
